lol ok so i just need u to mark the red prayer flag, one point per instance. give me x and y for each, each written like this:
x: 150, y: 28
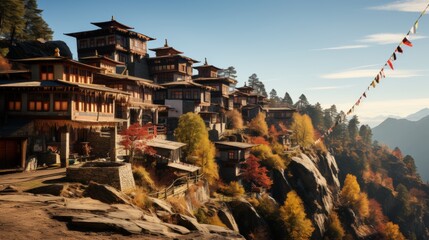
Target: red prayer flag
x: 389, y: 62
x: 405, y: 41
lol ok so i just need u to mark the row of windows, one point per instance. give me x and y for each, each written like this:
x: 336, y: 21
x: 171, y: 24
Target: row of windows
x: 85, y: 103
x: 251, y: 100
x: 164, y: 67
x: 39, y: 102
x: 97, y: 42
x: 185, y: 94
x: 74, y: 74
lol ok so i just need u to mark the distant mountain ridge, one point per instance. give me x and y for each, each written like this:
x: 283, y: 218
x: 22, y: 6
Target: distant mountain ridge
x: 418, y: 115
x: 412, y: 137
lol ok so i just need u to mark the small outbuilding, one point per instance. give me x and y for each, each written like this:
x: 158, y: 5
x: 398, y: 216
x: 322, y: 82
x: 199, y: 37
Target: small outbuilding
x: 229, y: 156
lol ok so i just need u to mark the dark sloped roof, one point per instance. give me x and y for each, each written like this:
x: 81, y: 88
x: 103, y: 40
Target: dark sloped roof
x: 226, y: 79
x: 141, y: 81
x: 101, y: 57
x: 236, y: 144
x: 175, y: 56
x: 57, y: 83
x: 185, y: 84
x: 54, y: 59
x: 111, y: 23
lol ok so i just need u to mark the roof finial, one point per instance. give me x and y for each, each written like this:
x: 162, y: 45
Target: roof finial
x: 96, y: 52
x: 166, y: 43
x: 113, y: 18
x: 57, y: 52
x: 205, y: 61
x: 245, y: 84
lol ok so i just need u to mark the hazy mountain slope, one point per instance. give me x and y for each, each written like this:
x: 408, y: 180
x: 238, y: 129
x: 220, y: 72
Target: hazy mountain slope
x: 418, y: 115
x: 412, y: 137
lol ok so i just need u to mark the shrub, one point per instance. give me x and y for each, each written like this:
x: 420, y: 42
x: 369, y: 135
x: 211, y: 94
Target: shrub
x: 267, y: 157
x: 392, y: 232
x: 235, y: 119
x: 258, y: 125
x: 335, y: 231
x: 234, y: 189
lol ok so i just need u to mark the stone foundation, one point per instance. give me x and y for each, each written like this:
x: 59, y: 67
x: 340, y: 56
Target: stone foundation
x: 115, y: 174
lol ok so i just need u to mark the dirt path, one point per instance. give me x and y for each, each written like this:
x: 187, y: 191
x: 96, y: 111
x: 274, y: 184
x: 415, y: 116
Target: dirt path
x: 27, y: 180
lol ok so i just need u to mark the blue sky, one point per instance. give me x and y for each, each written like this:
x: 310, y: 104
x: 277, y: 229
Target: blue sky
x: 328, y: 50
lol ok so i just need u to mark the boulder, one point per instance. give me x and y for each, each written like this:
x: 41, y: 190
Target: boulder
x: 54, y: 189
x: 177, y: 228
x: 156, y: 229
x: 226, y: 217
x: 105, y: 193
x: 248, y: 220
x: 101, y: 223
x: 85, y: 204
x: 189, y: 223
x: 161, y: 205
x: 9, y: 189
x: 222, y: 231
x: 309, y: 183
x: 126, y: 212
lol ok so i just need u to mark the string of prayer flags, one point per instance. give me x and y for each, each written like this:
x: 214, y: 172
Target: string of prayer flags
x: 405, y: 41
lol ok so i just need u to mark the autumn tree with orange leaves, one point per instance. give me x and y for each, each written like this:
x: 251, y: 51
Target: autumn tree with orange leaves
x: 254, y: 173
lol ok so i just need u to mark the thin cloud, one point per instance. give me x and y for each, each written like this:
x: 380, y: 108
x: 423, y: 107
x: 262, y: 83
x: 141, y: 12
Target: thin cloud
x: 328, y: 88
x: 364, y: 66
x: 398, y: 107
x: 387, y: 38
x: 369, y: 73
x: 345, y: 47
x: 403, y: 6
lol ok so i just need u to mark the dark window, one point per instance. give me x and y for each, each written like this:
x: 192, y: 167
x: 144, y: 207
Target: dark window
x: 176, y: 94
x: 14, y: 102
x: 47, y: 72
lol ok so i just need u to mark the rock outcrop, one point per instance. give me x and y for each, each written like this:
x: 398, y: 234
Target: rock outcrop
x: 248, y: 220
x: 318, y: 191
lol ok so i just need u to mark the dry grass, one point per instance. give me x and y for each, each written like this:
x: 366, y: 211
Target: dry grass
x: 142, y: 178
x: 179, y: 205
x: 141, y: 199
x: 233, y: 189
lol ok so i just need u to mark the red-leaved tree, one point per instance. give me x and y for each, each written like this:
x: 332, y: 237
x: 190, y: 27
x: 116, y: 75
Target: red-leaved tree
x: 254, y: 173
x: 135, y: 138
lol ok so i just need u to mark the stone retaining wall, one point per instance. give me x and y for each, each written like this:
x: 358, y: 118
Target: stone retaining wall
x: 117, y: 175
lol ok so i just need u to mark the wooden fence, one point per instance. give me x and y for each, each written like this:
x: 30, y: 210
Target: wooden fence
x: 179, y: 186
